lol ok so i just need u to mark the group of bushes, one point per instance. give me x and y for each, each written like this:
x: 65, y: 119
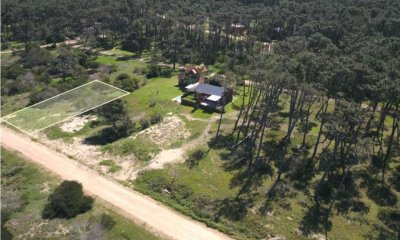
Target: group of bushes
x: 154, y: 119
x: 159, y: 71
x: 127, y: 82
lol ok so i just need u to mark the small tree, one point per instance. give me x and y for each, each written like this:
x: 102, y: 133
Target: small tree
x: 127, y: 83
x: 67, y: 201
x: 116, y: 114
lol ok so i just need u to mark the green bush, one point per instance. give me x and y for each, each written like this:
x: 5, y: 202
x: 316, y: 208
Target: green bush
x: 155, y: 118
x: 144, y: 123
x: 67, y: 201
x: 166, y: 72
x: 127, y: 83
x: 195, y: 156
x: 107, y: 221
x: 154, y: 71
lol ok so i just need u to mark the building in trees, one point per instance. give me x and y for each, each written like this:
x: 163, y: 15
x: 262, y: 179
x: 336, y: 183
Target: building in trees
x: 207, y: 96
x: 191, y: 75
x: 237, y: 29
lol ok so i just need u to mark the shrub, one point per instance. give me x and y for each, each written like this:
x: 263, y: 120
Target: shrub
x: 107, y: 221
x: 166, y: 72
x: 122, y: 77
x: 67, y: 201
x: 155, y: 118
x: 154, y: 71
x: 195, y: 156
x: 144, y: 123
x: 158, y: 184
x: 127, y: 83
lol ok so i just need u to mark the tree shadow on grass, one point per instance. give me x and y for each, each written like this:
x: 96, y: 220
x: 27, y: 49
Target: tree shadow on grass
x: 314, y: 220
x: 233, y: 209
x: 221, y: 142
x: 380, y: 194
x: 103, y: 137
x: 234, y: 160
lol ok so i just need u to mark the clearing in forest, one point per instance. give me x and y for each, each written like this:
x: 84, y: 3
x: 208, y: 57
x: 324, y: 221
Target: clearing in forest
x: 63, y: 106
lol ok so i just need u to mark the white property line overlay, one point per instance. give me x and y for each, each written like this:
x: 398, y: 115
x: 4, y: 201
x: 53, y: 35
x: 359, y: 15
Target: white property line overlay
x: 68, y: 118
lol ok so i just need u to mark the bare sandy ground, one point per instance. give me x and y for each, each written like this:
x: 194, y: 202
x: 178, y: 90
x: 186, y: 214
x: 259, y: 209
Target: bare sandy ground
x: 91, y: 156
x: 141, y: 208
x: 77, y: 123
x: 177, y: 155
x: 170, y: 130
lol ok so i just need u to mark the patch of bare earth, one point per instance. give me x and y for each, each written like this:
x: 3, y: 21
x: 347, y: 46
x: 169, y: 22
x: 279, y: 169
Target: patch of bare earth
x: 170, y: 130
x: 77, y: 123
x: 91, y: 156
x: 178, y: 155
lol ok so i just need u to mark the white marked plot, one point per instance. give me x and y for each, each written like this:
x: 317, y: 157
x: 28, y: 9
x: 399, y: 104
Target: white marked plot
x: 63, y: 106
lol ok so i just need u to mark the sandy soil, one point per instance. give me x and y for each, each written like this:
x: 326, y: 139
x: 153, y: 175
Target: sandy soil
x: 170, y: 130
x: 141, y: 208
x: 77, y: 123
x: 177, y: 155
x: 91, y: 156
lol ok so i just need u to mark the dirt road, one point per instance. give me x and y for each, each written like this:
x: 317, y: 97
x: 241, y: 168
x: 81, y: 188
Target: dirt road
x: 143, y: 209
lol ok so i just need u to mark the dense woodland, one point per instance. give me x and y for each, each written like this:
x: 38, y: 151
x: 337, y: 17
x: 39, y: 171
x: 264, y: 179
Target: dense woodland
x: 335, y: 64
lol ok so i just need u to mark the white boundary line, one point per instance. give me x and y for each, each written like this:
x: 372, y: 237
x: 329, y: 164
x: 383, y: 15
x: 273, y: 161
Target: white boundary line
x: 66, y: 119
x: 111, y: 86
x: 49, y: 99
x: 16, y: 127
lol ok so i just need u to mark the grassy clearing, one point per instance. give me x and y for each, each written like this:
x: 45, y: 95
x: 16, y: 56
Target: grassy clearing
x: 117, y: 52
x: 160, y: 91
x: 27, y: 185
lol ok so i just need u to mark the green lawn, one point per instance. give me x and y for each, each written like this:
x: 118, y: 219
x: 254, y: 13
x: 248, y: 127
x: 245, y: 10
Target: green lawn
x: 25, y: 189
x: 160, y: 91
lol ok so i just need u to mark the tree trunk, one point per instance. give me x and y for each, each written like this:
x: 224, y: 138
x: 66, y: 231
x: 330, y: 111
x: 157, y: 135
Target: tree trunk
x: 390, y: 144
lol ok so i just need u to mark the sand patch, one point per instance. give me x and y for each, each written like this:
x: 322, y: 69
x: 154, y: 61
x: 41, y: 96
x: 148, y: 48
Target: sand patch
x: 91, y: 156
x: 170, y: 130
x: 77, y: 123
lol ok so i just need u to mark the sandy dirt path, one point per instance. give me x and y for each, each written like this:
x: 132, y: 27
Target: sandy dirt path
x: 177, y: 155
x: 141, y: 208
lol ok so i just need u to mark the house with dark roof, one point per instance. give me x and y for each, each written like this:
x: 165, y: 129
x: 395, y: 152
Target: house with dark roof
x: 207, y: 96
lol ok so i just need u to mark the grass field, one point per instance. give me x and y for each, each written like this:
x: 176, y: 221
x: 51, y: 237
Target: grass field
x: 25, y: 189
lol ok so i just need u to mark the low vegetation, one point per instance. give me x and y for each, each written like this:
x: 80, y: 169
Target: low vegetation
x: 25, y: 192
x: 112, y: 166
x: 142, y: 149
x: 67, y: 201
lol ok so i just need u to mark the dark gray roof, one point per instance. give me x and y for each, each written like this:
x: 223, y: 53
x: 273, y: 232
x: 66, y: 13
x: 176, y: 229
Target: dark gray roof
x: 210, y: 89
